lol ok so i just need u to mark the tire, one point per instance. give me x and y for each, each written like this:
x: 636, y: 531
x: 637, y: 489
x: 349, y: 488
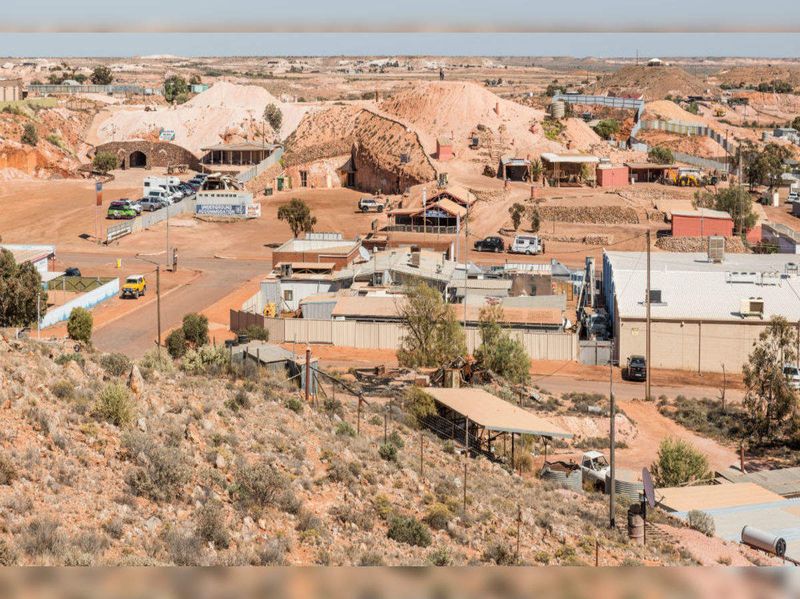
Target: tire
x: 364, y: 210
x: 528, y: 253
x: 380, y: 209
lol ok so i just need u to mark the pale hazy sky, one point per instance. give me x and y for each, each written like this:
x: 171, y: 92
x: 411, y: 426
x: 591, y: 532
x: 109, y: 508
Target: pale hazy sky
x: 767, y: 28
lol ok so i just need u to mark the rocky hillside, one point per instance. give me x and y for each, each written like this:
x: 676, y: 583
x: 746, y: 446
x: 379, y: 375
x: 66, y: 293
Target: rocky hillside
x: 202, y: 463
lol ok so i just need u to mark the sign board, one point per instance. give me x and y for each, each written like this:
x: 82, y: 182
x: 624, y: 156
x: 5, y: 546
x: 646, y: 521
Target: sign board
x: 220, y: 209
x: 98, y: 187
x: 167, y: 135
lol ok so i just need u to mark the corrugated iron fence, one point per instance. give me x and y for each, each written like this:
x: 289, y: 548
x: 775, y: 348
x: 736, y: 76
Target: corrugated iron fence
x: 540, y: 345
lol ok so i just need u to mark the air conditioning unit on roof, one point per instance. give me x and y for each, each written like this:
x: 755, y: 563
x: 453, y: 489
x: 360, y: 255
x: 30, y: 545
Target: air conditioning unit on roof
x: 752, y: 306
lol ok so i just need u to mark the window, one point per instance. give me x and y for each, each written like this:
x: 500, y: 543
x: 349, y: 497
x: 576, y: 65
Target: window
x: 288, y: 295
x: 303, y: 178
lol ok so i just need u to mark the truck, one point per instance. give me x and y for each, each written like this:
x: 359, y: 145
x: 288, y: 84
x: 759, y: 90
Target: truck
x: 594, y: 468
x: 135, y: 286
x: 370, y: 204
x: 158, y: 182
x: 527, y: 244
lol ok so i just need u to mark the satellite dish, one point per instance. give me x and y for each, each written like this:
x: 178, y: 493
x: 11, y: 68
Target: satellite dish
x: 649, y: 488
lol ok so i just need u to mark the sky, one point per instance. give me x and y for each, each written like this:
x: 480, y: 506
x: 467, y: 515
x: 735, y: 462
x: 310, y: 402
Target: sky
x: 610, y: 28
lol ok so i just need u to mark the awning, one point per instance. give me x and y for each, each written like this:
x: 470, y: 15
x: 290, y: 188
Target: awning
x: 493, y: 413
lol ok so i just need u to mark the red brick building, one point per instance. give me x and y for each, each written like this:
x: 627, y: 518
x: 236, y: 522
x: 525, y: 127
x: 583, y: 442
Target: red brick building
x: 701, y: 223
x: 444, y: 149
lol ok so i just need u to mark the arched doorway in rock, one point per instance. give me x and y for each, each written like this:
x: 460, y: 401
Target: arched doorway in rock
x: 137, y: 159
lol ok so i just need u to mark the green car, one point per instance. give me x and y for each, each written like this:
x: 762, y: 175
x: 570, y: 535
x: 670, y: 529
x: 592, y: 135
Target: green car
x: 121, y: 209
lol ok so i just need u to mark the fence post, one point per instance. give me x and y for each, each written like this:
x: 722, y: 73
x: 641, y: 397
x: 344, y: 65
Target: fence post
x: 465, y: 484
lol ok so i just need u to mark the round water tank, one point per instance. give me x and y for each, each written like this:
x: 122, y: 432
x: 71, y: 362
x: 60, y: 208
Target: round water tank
x: 766, y: 541
x: 557, y: 109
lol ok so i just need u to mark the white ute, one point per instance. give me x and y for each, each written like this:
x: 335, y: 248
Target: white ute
x: 595, y: 468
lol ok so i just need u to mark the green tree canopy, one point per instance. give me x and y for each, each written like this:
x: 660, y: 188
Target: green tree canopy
x: 101, y: 75
x: 516, y: 211
x: 103, y: 162
x: 499, y: 351
x: 20, y: 286
x: 298, y: 216
x: 678, y: 463
x: 769, y: 400
x: 29, y: 134
x: 79, y: 325
x: 765, y: 167
x: 174, y: 86
x: 607, y: 128
x: 433, y: 337
x: 660, y: 155
x: 274, y: 116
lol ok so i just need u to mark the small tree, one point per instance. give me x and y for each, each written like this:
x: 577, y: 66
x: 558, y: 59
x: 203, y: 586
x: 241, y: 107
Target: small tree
x: 769, y: 400
x: 499, y: 352
x: 174, y: 86
x: 29, y: 134
x: 103, y: 162
x: 607, y: 128
x: 516, y: 211
x: 101, y: 75
x: 536, y: 220
x: 274, y: 116
x: 195, y: 329
x: 433, y: 337
x: 298, y: 216
x: 660, y: 155
x: 536, y: 169
x: 176, y: 343
x: 796, y: 123
x: 195, y: 79
x: 79, y: 325
x: 678, y: 463
x: 20, y: 292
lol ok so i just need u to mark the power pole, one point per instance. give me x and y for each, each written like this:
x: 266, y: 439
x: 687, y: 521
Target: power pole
x: 612, y: 518
x: 647, y: 340
x: 158, y: 305
x: 466, y: 262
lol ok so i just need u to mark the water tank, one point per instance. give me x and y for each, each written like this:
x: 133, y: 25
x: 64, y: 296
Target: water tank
x: 557, y: 109
x: 567, y: 476
x: 766, y: 541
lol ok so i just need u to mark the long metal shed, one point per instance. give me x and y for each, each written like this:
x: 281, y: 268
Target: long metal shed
x: 478, y: 418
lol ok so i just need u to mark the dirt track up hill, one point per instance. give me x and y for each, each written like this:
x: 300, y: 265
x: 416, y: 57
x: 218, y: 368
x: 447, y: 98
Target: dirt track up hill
x: 655, y: 83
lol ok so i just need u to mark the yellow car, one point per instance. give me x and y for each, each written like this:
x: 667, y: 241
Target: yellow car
x: 135, y: 286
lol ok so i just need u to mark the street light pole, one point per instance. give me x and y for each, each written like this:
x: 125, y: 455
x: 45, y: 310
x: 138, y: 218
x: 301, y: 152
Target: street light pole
x: 612, y: 517
x: 647, y: 340
x: 158, y: 305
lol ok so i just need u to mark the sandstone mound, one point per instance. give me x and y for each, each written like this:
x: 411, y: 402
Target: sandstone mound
x: 655, y: 83
x: 742, y: 76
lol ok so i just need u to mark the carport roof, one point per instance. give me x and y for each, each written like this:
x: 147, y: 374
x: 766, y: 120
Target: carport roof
x: 493, y: 413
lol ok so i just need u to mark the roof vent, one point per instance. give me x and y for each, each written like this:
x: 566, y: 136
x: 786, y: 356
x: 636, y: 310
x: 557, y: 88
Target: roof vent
x: 752, y: 306
x: 716, y: 249
x: 655, y: 296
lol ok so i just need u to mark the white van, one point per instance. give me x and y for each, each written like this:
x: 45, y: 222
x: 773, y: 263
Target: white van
x: 162, y: 195
x: 527, y: 244
x: 154, y: 182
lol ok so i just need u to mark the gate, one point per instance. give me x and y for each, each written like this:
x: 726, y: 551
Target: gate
x: 594, y: 352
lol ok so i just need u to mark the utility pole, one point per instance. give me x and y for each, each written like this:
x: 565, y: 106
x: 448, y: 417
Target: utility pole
x: 308, y: 374
x: 158, y: 305
x: 38, y: 314
x: 612, y: 518
x: 647, y: 340
x: 169, y: 258
x: 466, y: 262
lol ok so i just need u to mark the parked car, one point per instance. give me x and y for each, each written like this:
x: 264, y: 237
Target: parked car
x: 121, y: 209
x: 151, y: 204
x: 792, y: 374
x: 594, y: 468
x: 368, y: 204
x: 187, y: 189
x: 135, y: 286
x: 490, y: 244
x: 162, y: 195
x: 636, y: 369
x: 72, y: 271
x: 527, y: 244
x: 177, y: 193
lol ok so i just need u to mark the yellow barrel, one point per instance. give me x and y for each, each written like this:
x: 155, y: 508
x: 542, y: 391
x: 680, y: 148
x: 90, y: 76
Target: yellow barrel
x: 119, y: 262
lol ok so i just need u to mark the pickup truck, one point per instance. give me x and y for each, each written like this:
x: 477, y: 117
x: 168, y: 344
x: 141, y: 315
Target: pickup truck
x: 367, y: 204
x: 490, y: 244
x: 135, y: 286
x: 595, y: 468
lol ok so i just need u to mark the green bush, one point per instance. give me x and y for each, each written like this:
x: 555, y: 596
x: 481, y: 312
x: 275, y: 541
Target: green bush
x: 29, y: 135
x: 63, y: 389
x: 440, y: 557
x: 345, y: 429
x: 210, y: 525
x: 44, y: 537
x: 255, y: 332
x: 176, y: 343
x: 195, y: 329
x: 114, y: 405
x: 499, y: 553
x: 156, y: 360
x: 419, y: 404
x: 333, y: 406
x: 438, y: 516
x: 7, y: 555
x: 702, y: 522
x: 388, y: 452
x: 239, y: 401
x: 661, y: 155
x: 260, y: 484
x: 103, y: 162
x: 163, y: 476
x: 73, y: 357
x: 678, y: 463
x: 206, y: 360
x: 294, y: 404
x: 79, y: 325
x: 408, y: 530
x: 115, y: 364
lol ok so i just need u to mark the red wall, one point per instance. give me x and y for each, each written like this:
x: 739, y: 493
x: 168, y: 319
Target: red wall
x: 694, y: 226
x: 444, y: 152
x: 617, y: 176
